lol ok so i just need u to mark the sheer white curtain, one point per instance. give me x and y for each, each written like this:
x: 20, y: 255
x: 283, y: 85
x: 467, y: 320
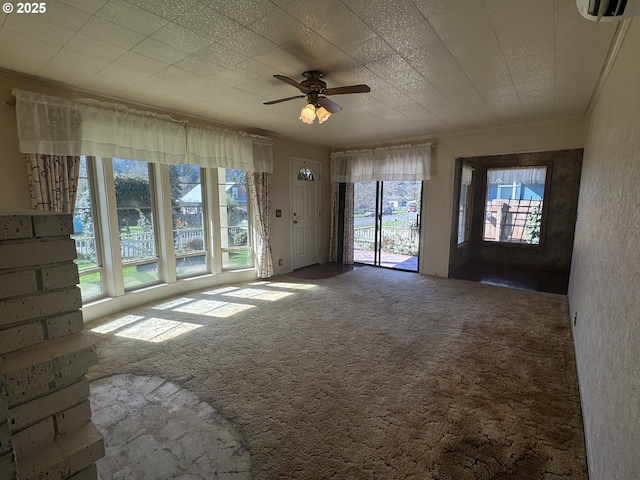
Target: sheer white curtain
x: 112, y: 130
x: 402, y: 163
x: 262, y: 153
x: 212, y: 147
x: 526, y: 175
x: 60, y: 126
x: 467, y: 175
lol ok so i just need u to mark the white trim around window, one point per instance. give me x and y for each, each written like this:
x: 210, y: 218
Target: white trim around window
x: 115, y: 297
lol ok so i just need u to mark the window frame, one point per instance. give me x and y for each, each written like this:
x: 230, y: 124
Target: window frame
x: 107, y: 231
x: 97, y: 233
x: 157, y: 227
x: 206, y: 240
x: 545, y: 201
x: 222, y: 230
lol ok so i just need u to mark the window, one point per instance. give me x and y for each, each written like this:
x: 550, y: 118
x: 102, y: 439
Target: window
x: 187, y: 213
x: 136, y: 222
x: 514, y: 201
x: 464, y: 211
x: 234, y: 225
x: 305, y: 174
x: 89, y: 258
x: 133, y: 219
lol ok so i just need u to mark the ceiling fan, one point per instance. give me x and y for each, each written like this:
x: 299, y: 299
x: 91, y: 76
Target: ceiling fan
x: 316, y: 92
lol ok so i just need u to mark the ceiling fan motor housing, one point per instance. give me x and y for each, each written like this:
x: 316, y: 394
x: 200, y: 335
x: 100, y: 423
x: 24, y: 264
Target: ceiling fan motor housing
x: 316, y: 91
x: 313, y: 82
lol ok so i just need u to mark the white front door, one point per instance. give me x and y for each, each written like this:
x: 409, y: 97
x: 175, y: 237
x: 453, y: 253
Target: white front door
x: 305, y: 175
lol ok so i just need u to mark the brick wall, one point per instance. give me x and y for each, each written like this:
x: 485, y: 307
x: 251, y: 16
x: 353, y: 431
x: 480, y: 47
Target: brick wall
x: 45, y: 419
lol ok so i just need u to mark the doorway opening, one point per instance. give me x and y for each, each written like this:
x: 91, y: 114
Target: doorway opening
x: 386, y: 224
x: 516, y: 219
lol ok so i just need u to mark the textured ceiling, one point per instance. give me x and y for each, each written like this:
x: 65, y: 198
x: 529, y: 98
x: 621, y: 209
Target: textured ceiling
x: 434, y: 66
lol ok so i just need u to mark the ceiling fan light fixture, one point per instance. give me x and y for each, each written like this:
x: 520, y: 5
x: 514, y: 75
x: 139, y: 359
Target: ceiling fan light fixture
x: 308, y: 114
x: 323, y: 114
x: 317, y: 92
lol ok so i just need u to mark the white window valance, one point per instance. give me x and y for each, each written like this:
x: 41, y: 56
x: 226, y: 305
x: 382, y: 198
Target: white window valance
x: 217, y: 148
x: 59, y: 126
x: 402, y: 163
x: 524, y: 175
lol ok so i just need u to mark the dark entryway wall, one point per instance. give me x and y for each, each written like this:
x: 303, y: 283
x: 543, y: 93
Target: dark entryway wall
x: 560, y: 210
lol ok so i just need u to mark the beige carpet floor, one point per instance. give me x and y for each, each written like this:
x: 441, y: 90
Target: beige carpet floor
x: 372, y: 374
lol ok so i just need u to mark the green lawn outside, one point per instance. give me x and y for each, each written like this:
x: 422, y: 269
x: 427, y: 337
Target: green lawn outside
x: 238, y: 259
x: 90, y: 284
x: 137, y: 275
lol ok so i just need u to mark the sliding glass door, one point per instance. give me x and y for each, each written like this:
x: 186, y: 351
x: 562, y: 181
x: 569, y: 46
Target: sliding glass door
x: 386, y: 224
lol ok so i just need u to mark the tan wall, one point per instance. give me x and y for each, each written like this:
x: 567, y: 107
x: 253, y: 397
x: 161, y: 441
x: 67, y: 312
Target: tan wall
x: 281, y: 246
x: 13, y: 181
x: 438, y: 197
x: 603, y: 290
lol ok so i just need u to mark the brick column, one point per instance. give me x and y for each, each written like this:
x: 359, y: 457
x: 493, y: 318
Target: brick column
x: 45, y: 418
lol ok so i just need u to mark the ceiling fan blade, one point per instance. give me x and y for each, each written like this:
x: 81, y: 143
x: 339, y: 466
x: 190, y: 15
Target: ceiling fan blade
x: 329, y: 105
x: 344, y: 90
x: 293, y: 83
x: 273, y: 102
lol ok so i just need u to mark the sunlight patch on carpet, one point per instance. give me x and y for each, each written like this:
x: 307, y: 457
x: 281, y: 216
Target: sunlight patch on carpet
x: 257, y: 293
x: 157, y: 330
x: 117, y: 324
x: 200, y: 307
x: 214, y: 308
x: 220, y: 290
x: 176, y: 302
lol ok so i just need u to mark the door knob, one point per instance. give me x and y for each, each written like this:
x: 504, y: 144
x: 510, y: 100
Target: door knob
x: 295, y: 221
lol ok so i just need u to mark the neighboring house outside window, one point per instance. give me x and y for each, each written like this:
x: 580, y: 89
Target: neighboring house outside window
x: 514, y: 204
x: 235, y: 235
x: 188, y: 215
x: 138, y: 224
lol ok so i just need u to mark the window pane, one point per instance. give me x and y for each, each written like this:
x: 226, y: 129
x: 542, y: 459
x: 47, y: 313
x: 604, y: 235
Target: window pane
x: 137, y: 275
x: 234, y: 225
x: 191, y: 265
x: 236, y: 259
x: 187, y: 209
x: 135, y: 212
x: 513, y: 209
x: 305, y: 174
x: 91, y: 284
x: 233, y: 198
x: 84, y: 234
x: 235, y: 236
